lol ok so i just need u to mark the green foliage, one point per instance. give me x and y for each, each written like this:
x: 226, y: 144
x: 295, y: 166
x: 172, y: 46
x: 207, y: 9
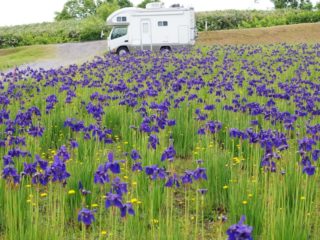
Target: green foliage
x: 80, y: 9
x: 317, y: 6
x: 233, y: 19
x: 90, y: 28
x: 145, y: 2
x: 77, y: 9
x: 58, y: 32
x: 12, y: 57
x: 281, y: 205
x: 302, y: 4
x: 105, y: 9
x: 306, y: 5
x: 285, y: 3
x: 124, y: 3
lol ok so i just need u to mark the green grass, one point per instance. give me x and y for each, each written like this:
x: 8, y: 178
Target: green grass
x: 12, y: 57
x: 278, y: 206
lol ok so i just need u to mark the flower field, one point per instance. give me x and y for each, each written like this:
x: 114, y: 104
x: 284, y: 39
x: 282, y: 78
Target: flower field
x: 215, y: 142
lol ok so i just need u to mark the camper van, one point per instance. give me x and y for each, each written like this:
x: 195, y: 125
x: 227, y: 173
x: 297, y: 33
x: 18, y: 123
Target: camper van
x: 154, y: 28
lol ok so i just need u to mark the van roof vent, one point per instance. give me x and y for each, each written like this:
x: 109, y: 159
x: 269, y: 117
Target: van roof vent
x: 176, y: 5
x: 154, y: 5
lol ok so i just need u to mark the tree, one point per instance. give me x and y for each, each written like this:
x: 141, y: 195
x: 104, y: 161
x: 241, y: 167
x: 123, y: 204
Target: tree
x: 121, y: 3
x: 106, y: 8
x: 80, y: 9
x: 317, y: 6
x: 124, y: 3
x: 306, y: 5
x: 77, y: 9
x: 145, y: 2
x: 296, y: 4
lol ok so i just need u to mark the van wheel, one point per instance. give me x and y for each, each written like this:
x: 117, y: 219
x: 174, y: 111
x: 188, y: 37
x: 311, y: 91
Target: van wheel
x: 122, y: 51
x: 165, y: 49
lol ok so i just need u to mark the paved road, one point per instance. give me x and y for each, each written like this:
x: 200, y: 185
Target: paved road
x: 70, y: 53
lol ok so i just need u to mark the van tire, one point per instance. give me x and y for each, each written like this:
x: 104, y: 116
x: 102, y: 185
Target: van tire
x: 122, y: 51
x: 165, y: 49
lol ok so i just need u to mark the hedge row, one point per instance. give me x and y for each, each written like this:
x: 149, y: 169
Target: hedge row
x: 232, y: 19
x: 57, y: 32
x: 90, y: 28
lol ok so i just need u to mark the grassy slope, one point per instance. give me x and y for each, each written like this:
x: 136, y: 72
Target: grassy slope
x: 298, y: 33
x: 16, y: 56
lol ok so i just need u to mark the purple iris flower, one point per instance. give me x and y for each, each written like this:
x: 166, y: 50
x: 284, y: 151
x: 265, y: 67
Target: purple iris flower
x: 200, y: 173
x: 7, y: 160
x: 309, y: 169
x: 154, y: 172
x: 126, y: 208
x: 305, y: 144
x: 74, y: 144
x: 153, y: 141
x: 202, y: 191
x: 209, y: 107
x: 118, y: 186
x: 316, y: 154
x: 137, y: 166
x: 101, y: 175
x: 10, y: 173
x: 135, y: 155
x: 95, y: 110
x: 236, y: 133
x: 240, y: 231
x: 113, y: 200
x: 86, y: 216
x: 173, y: 180
x: 75, y: 126
x: 214, y: 126
x: 112, y: 164
x: 169, y: 154
x: 150, y: 170
x: 63, y: 153
x: 171, y: 122
x: 51, y: 101
x: 29, y: 169
x: 16, y: 152
x: 41, y: 178
x: 201, y: 131
x: 187, y: 177
x: 58, y: 171
x: 36, y: 131
x: 42, y: 163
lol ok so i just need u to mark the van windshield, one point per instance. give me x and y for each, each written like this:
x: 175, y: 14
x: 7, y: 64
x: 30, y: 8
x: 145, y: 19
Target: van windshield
x: 119, y: 32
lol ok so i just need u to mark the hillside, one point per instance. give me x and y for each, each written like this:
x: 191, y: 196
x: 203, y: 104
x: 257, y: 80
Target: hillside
x: 65, y: 54
x: 297, y: 33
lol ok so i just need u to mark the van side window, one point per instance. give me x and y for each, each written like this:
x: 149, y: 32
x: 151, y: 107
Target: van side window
x: 121, y: 19
x: 119, y: 32
x: 163, y: 23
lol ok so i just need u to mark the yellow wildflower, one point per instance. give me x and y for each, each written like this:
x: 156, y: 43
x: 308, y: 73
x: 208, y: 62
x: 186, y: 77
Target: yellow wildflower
x: 71, y: 192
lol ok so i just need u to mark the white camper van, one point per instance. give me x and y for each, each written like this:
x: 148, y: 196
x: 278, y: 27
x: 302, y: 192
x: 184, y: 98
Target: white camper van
x: 152, y: 28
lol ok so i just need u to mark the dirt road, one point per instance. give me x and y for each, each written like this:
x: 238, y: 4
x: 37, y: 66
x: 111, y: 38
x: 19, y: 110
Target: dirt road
x: 70, y: 53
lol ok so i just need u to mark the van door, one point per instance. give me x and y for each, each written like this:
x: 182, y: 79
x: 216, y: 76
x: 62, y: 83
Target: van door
x: 183, y: 34
x: 146, y: 38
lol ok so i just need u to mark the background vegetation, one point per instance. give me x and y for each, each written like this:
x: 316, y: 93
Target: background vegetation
x: 84, y: 20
